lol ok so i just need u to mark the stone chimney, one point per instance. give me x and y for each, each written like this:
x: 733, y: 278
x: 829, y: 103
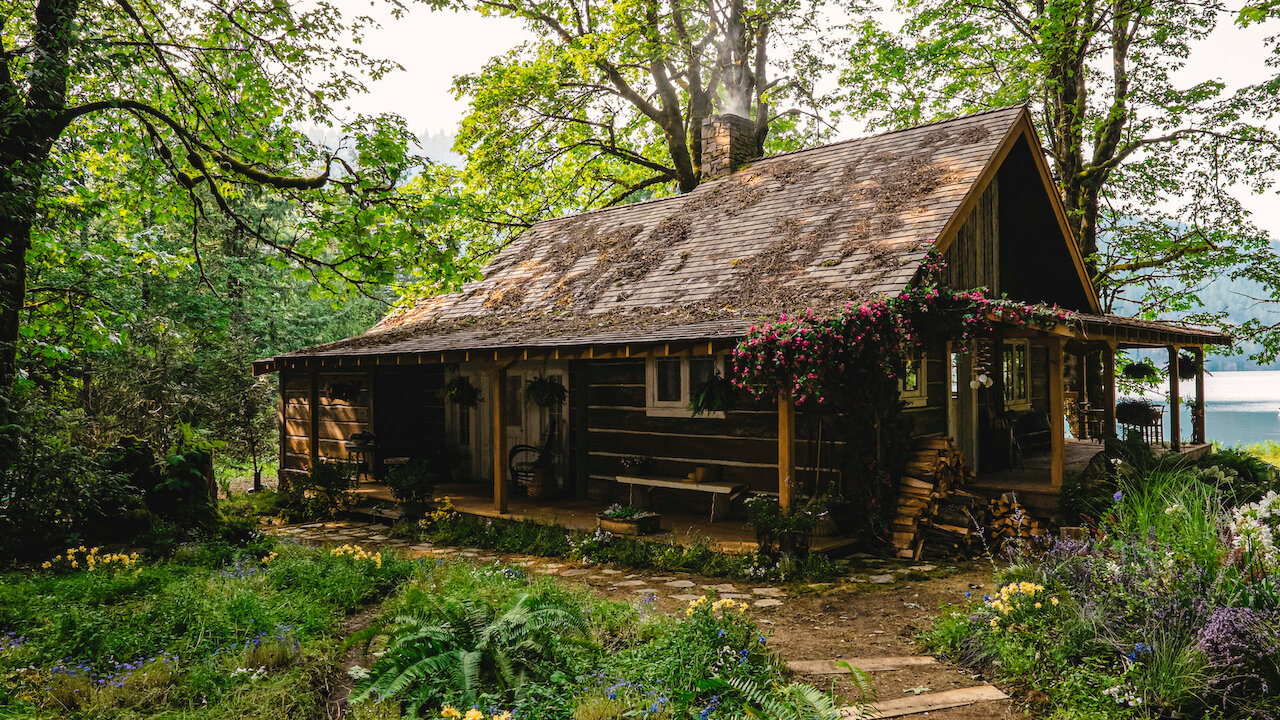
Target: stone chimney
x: 728, y: 143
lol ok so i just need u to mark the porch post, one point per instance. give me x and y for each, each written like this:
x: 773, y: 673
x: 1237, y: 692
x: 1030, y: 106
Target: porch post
x: 313, y: 429
x: 1175, y: 410
x: 1198, y: 433
x: 282, y: 483
x: 1057, y: 409
x: 1109, y: 389
x: 497, y: 393
x: 786, y: 448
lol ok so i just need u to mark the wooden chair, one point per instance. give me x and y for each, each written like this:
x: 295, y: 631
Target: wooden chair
x: 524, y: 461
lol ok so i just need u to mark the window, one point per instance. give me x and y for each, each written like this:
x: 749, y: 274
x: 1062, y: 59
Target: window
x: 1017, y: 374
x: 669, y: 382
x: 912, y: 387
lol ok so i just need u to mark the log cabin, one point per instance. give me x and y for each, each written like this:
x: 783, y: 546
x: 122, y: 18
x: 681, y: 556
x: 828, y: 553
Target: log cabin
x: 632, y: 307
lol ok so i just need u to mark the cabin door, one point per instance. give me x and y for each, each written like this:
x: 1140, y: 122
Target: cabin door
x: 467, y: 428
x: 526, y: 423
x: 962, y: 407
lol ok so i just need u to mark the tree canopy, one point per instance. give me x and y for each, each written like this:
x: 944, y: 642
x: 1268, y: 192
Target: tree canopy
x: 1149, y: 162
x: 130, y: 116
x: 607, y: 104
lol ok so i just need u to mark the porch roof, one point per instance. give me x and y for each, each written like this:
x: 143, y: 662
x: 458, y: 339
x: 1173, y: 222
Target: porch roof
x: 663, y: 333
x: 1128, y: 332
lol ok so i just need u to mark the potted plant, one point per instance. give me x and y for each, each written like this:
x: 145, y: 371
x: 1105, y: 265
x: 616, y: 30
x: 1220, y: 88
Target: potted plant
x: 460, y: 390
x: 545, y: 392
x: 629, y: 520
x: 778, y: 531
x: 637, y: 464
x: 412, y: 484
x: 1137, y: 411
x: 711, y: 395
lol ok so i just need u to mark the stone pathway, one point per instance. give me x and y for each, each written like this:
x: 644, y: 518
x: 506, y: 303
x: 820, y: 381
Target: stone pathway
x: 669, y: 592
x: 875, y: 612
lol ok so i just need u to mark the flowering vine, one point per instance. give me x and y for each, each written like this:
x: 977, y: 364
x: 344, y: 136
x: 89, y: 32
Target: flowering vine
x: 813, y: 356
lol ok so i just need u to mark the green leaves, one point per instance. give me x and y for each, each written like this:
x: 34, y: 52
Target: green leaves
x: 1151, y: 158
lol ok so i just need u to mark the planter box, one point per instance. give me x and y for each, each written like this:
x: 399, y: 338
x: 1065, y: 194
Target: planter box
x: 630, y: 526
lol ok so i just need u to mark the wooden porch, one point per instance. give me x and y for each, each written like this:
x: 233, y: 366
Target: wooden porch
x: 476, y: 499
x: 1033, y: 481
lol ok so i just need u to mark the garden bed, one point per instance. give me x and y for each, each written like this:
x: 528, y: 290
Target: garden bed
x: 1170, y: 606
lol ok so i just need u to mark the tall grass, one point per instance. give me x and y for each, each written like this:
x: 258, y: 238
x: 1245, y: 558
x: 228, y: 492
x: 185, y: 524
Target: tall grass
x: 1172, y: 509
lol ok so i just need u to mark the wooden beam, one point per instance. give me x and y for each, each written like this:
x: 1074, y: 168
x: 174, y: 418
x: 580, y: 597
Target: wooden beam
x: 786, y: 448
x: 1198, y: 433
x: 497, y: 394
x: 281, y: 483
x: 1109, y: 389
x: 1057, y: 445
x: 1175, y: 402
x: 313, y: 436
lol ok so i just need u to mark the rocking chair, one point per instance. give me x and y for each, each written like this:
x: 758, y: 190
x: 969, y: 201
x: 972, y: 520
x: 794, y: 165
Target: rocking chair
x: 525, y: 462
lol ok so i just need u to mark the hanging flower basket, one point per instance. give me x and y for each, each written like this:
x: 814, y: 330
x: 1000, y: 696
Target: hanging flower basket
x: 545, y: 392
x: 460, y: 390
x: 1188, y: 366
x: 1140, y: 371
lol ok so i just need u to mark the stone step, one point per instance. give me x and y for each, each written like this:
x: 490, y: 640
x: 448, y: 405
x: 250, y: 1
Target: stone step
x: 865, y: 664
x: 929, y: 702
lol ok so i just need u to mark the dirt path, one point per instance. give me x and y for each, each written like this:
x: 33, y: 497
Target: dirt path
x: 875, y: 612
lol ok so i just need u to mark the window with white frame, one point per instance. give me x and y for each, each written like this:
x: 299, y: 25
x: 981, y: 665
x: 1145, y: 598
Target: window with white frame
x: 1017, y: 374
x: 912, y: 386
x: 670, y: 381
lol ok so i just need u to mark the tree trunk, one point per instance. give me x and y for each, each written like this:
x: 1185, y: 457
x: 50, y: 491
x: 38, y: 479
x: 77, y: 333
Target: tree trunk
x: 18, y: 191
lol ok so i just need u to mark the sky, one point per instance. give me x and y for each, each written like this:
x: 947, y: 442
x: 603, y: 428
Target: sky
x: 433, y: 47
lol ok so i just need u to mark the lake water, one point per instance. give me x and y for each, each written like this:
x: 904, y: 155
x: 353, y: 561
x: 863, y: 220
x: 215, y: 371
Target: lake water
x: 1241, y: 407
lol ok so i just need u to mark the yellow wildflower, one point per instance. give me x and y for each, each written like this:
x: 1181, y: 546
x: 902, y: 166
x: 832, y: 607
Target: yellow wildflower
x: 47, y: 565
x: 473, y: 714
x: 75, y: 564
x: 503, y: 716
x: 1054, y: 601
x: 742, y: 607
x: 995, y: 623
x: 1037, y: 606
x: 688, y: 611
x: 449, y: 711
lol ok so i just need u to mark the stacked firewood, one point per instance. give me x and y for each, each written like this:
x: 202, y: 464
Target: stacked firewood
x: 1010, y: 521
x: 932, y: 507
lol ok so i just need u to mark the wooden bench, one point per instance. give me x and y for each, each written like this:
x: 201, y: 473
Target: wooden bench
x: 721, y: 493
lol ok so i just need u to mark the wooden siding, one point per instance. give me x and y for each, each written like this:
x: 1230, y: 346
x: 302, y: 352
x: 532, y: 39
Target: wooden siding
x: 973, y: 259
x: 744, y: 444
x: 344, y: 409
x: 295, y: 439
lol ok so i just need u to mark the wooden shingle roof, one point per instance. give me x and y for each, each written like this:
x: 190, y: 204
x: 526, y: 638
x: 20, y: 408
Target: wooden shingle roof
x: 814, y: 228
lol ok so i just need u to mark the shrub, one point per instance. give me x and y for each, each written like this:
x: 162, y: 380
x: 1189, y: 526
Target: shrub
x: 413, y: 485
x: 1242, y: 646
x: 322, y: 492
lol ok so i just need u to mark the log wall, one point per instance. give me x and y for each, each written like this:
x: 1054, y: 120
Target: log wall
x: 295, y: 443
x: 744, y: 443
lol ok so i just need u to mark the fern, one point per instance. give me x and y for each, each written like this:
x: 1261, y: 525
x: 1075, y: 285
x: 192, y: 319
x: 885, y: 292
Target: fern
x: 799, y: 701
x: 445, y: 648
